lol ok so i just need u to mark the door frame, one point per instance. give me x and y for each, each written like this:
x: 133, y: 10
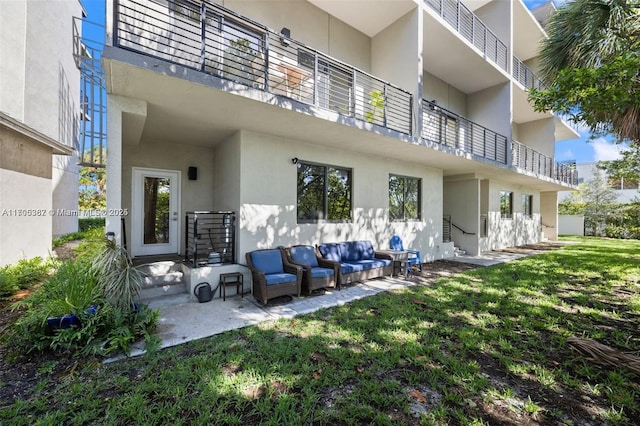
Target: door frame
x: 138, y: 248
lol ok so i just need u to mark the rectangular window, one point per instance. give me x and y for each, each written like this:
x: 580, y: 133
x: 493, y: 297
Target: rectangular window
x: 506, y: 204
x: 404, y: 198
x: 324, y: 193
x: 527, y: 205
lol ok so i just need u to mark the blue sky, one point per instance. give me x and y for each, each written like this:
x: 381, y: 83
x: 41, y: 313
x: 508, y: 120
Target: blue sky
x: 581, y: 149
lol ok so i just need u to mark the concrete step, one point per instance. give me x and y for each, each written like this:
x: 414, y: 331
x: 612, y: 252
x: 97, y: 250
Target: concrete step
x: 162, y: 278
x: 155, y: 291
x: 160, y: 268
x: 459, y: 252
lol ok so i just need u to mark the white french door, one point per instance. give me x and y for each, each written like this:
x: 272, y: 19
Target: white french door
x: 155, y: 201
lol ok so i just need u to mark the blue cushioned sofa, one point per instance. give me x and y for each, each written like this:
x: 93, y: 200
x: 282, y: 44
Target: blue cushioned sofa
x: 357, y: 260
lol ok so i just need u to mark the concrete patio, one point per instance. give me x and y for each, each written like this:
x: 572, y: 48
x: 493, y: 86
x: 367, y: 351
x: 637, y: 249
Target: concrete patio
x: 183, y: 319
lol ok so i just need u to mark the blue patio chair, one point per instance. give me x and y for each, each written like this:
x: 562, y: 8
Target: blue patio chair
x: 413, y: 256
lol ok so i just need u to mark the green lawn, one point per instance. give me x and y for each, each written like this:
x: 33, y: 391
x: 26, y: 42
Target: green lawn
x: 484, y: 347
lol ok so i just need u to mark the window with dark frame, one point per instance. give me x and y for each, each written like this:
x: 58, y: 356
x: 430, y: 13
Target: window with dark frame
x: 404, y: 198
x: 506, y: 204
x: 527, y: 205
x: 324, y: 193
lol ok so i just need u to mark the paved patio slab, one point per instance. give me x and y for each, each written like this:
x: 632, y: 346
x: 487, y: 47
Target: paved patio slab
x: 182, y: 319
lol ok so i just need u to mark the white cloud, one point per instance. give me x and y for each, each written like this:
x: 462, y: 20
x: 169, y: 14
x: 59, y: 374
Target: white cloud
x: 604, y: 150
x: 568, y: 154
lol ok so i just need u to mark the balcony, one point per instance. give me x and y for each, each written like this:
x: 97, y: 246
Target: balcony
x: 469, y: 26
x: 444, y: 127
x: 525, y: 76
x: 214, y: 40
x: 528, y: 159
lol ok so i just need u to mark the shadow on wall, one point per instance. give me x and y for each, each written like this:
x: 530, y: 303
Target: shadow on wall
x: 271, y: 226
x: 67, y: 112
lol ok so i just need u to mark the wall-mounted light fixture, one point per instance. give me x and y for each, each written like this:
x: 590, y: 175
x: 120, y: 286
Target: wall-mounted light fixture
x: 285, y: 36
x: 295, y: 161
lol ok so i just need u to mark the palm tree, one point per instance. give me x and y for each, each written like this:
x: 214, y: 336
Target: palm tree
x: 588, y: 33
x: 599, y: 35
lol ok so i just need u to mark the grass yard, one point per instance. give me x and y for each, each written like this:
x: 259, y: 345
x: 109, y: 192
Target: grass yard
x: 488, y: 346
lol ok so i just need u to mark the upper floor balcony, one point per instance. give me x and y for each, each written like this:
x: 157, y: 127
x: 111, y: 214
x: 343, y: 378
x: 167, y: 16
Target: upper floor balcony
x: 530, y: 160
x: 239, y: 56
x: 442, y: 126
x: 469, y: 26
x: 211, y: 39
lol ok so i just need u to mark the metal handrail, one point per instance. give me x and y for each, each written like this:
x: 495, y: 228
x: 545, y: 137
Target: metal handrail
x: 445, y: 127
x: 448, y: 219
x: 467, y: 24
x: 215, y: 40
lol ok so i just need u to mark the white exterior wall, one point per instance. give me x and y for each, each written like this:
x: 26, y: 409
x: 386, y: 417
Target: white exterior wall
x: 40, y: 88
x: 444, y: 94
x: 194, y: 194
x: 517, y: 230
x: 549, y: 214
x: 311, y: 26
x: 492, y: 108
x: 25, y: 197
x: 24, y: 237
x: 497, y: 17
x: 571, y: 225
x: 538, y: 135
x: 462, y: 203
x: 52, y: 94
x: 267, y: 215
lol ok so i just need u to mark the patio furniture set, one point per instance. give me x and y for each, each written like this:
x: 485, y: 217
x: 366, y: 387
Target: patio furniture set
x: 286, y: 271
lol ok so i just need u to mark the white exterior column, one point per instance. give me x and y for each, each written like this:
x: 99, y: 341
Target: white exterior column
x: 114, y: 165
x: 549, y: 214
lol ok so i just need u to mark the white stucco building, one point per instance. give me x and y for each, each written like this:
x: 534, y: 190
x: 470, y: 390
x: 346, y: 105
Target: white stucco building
x: 626, y: 190
x: 39, y: 113
x: 305, y: 117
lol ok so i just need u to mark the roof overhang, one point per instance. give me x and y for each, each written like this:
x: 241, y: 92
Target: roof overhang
x: 58, y: 148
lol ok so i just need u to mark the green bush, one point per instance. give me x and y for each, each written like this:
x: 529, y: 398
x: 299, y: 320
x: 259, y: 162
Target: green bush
x: 22, y: 275
x: 72, y: 290
x: 89, y: 223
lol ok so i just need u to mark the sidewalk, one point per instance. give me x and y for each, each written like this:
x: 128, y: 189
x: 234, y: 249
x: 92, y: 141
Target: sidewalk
x: 182, y: 319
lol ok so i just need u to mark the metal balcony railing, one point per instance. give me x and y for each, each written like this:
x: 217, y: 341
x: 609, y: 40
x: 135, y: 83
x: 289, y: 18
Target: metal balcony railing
x: 531, y: 160
x: 212, y: 39
x: 210, y: 237
x: 442, y: 126
x: 525, y: 76
x: 567, y: 173
x: 468, y: 25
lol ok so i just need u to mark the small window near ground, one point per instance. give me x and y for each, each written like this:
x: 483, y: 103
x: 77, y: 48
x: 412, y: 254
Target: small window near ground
x: 404, y: 198
x: 506, y: 204
x: 527, y: 205
x: 324, y: 193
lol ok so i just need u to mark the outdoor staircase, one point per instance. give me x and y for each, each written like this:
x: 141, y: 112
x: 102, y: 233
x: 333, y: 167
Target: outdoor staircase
x: 457, y: 251
x: 162, y: 278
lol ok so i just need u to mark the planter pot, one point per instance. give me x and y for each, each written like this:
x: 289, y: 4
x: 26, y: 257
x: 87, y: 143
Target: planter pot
x: 68, y: 321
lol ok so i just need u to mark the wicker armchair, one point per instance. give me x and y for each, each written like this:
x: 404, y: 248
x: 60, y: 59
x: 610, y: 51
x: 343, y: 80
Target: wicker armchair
x: 273, y: 275
x: 317, y: 272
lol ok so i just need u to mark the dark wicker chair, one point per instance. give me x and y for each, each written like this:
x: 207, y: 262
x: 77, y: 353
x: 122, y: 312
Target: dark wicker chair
x: 317, y: 272
x: 273, y: 275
